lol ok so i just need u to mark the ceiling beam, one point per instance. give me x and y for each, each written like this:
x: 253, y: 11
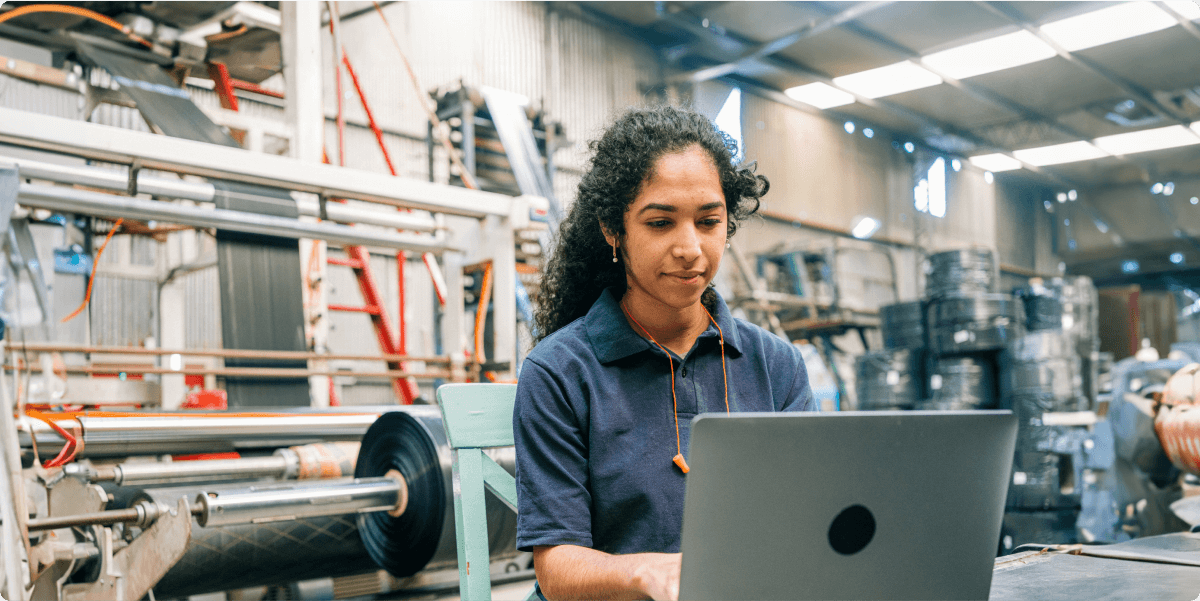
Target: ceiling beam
x: 754, y: 53
x: 976, y: 91
x: 1187, y: 25
x: 931, y: 127
x: 1139, y: 93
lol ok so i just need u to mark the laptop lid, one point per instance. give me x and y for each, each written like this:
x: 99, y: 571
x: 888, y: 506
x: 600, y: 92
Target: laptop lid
x: 849, y: 505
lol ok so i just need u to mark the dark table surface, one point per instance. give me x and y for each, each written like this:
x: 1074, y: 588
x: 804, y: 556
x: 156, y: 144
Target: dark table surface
x: 1162, y: 568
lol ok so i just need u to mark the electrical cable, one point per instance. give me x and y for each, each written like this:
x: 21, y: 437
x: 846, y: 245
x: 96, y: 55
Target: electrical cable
x: 72, y: 447
x: 78, y: 12
x: 87, y: 297
x: 485, y: 297
x: 226, y: 35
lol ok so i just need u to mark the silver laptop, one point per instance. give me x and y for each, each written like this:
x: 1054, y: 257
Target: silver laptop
x: 870, y: 505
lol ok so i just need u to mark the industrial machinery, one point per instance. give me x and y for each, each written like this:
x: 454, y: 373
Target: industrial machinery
x: 115, y: 522
x: 119, y: 504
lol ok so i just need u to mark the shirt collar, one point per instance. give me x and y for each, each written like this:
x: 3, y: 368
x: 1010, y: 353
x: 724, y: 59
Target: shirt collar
x: 612, y: 337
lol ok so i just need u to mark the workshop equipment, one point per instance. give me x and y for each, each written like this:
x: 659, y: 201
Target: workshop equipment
x: 890, y: 379
x: 962, y: 383
x: 903, y: 325
x: 980, y: 322
x: 963, y: 272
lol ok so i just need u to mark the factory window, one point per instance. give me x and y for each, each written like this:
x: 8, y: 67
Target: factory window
x: 929, y: 195
x: 729, y: 120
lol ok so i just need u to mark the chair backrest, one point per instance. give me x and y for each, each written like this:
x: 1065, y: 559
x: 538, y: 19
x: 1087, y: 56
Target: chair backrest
x: 476, y: 417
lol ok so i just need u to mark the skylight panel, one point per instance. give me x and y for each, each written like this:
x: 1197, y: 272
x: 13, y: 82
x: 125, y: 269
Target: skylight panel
x: 820, y: 95
x: 1188, y: 9
x: 995, y: 162
x: 1108, y: 25
x: 1059, y: 153
x: 987, y: 56
x: 886, y: 81
x: 1147, y: 140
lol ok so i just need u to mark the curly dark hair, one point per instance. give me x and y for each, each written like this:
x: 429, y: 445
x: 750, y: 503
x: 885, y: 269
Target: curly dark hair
x: 581, y: 265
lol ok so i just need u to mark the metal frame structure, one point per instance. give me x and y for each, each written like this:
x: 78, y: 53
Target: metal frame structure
x: 498, y: 214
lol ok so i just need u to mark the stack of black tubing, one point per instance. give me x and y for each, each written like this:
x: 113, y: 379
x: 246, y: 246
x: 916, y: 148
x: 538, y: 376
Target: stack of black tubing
x: 971, y: 271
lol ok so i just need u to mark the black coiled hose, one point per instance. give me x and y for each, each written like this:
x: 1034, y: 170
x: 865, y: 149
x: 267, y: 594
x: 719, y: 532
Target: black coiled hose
x: 403, y: 545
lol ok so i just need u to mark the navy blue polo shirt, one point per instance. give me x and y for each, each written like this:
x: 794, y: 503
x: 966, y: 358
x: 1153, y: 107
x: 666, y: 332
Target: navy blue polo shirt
x: 594, y: 430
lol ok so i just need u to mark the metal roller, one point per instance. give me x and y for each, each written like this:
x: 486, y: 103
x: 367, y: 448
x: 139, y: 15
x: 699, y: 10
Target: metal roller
x: 970, y: 271
x: 263, y: 554
x: 410, y: 443
x: 889, y: 379
x: 903, y: 325
x: 962, y: 383
x: 983, y: 322
x: 285, y: 502
x: 208, y: 433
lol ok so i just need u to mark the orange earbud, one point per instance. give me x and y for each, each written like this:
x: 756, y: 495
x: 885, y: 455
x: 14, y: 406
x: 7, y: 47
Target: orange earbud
x: 679, y: 461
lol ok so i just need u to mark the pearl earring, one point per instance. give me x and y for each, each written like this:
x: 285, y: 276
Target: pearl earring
x: 728, y: 245
x: 614, y: 253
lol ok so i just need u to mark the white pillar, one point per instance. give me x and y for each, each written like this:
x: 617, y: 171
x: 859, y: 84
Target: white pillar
x: 504, y: 290
x: 171, y: 312
x: 301, y: 46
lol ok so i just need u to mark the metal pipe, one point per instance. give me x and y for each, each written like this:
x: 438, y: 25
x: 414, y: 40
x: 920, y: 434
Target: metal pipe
x: 118, y: 181
x: 249, y: 372
x: 43, y: 347
x: 143, y: 514
x: 96, y: 204
x: 112, y: 179
x: 262, y: 504
x: 115, y: 145
x: 174, y: 472
x: 157, y: 435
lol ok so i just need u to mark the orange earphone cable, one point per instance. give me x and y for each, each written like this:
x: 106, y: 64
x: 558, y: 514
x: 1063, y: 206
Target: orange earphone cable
x: 721, y: 337
x: 678, y: 459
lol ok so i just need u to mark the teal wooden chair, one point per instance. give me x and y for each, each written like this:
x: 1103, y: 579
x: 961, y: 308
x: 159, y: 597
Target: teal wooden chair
x: 477, y: 417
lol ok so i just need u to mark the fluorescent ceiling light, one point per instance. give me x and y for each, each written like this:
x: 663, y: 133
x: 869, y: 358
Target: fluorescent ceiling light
x: 1108, y: 25
x: 1196, y: 127
x: 1147, y: 140
x: 987, y: 56
x: 996, y: 162
x: 820, y: 95
x: 1059, y: 153
x: 1188, y: 9
x: 885, y: 81
x: 865, y: 228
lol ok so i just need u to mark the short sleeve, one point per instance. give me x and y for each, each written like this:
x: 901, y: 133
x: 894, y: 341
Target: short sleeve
x: 553, y: 496
x: 800, y: 396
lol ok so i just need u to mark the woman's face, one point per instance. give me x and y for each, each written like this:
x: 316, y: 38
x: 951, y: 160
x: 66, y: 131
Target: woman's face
x: 675, y: 230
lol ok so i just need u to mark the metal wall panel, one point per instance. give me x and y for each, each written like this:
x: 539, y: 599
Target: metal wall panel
x: 24, y: 95
x: 122, y: 311
x: 202, y: 310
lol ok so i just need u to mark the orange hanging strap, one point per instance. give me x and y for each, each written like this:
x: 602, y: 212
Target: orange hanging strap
x: 724, y: 374
x: 678, y: 459
x: 87, y: 297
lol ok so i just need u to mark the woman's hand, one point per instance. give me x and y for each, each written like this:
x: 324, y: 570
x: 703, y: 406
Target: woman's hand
x: 658, y: 575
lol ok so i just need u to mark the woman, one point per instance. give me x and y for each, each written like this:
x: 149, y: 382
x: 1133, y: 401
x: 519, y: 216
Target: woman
x: 633, y: 344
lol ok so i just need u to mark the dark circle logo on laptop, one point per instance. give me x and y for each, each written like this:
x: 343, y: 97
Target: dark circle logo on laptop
x: 852, y: 530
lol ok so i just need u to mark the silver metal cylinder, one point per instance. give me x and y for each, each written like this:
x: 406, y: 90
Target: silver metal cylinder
x: 286, y: 502
x: 179, y: 472
x: 117, y: 180
x: 71, y: 200
x: 125, y: 436
x: 112, y: 179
